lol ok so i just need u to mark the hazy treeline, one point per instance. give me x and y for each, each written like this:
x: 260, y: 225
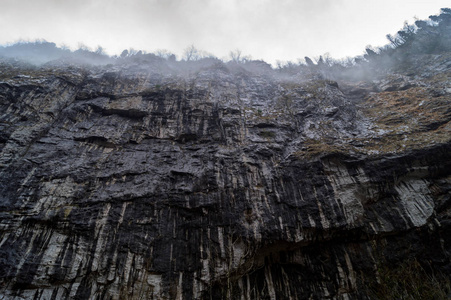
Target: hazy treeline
x: 430, y: 36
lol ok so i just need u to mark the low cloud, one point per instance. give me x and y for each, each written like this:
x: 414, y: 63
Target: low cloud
x: 265, y: 29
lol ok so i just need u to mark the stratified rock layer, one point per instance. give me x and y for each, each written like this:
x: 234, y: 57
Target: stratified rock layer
x: 227, y: 182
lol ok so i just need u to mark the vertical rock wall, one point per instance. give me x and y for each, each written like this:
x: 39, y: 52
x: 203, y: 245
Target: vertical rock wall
x: 224, y: 184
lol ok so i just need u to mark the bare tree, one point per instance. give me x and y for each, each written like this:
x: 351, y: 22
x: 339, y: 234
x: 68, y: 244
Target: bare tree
x: 164, y: 53
x: 237, y: 56
x: 191, y: 53
x: 328, y: 60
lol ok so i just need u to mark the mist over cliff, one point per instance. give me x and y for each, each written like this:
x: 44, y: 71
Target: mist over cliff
x: 147, y: 176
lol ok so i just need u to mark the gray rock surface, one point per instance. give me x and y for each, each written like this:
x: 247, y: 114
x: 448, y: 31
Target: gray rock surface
x: 220, y: 182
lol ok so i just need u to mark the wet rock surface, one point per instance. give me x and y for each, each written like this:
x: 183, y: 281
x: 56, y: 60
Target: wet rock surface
x: 221, y: 183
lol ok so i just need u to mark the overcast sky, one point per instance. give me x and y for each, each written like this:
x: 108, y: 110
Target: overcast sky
x: 264, y: 29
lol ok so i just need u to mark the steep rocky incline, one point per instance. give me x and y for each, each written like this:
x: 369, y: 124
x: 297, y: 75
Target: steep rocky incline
x: 221, y: 182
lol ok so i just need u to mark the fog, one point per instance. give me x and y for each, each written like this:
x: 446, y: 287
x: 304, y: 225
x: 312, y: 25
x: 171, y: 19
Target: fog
x: 412, y: 42
x: 263, y: 29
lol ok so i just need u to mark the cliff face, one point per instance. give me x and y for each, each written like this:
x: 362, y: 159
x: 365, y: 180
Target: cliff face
x: 220, y: 183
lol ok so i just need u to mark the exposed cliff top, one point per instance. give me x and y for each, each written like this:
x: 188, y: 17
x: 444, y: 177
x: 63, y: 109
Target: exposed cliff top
x: 315, y: 111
